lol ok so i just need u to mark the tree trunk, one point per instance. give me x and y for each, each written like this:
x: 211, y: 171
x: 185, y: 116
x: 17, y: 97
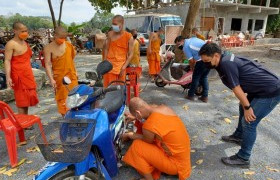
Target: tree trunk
x: 157, y: 1
x: 52, y: 13
x: 140, y: 3
x: 191, y: 17
x: 148, y: 3
x: 60, y: 12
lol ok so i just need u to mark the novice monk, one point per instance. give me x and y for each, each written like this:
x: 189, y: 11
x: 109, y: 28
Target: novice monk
x: 118, y: 50
x: 18, y: 69
x: 135, y: 61
x: 153, y: 55
x: 59, y: 59
x: 164, y: 145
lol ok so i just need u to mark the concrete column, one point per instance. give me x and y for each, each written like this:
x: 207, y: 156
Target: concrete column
x: 253, y: 26
x: 265, y: 23
x: 267, y: 3
x: 248, y: 2
x: 244, y: 25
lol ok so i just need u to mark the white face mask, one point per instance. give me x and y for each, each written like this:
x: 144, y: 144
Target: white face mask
x: 116, y: 28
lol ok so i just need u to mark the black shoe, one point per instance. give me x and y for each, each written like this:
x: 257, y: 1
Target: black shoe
x: 236, y: 161
x: 232, y: 139
x: 191, y: 98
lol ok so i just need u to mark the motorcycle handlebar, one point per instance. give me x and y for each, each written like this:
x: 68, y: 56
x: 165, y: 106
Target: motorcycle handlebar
x: 113, y: 88
x: 101, y: 91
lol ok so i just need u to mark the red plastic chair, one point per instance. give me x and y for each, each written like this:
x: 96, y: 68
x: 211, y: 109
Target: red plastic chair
x: 41, y: 58
x: 12, y: 124
x: 133, y: 74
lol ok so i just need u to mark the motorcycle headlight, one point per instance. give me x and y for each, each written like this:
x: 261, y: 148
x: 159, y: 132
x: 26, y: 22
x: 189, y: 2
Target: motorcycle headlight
x: 75, y: 100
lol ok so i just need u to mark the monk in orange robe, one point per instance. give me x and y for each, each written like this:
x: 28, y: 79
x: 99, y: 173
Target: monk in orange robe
x: 59, y: 60
x: 118, y: 50
x: 153, y: 55
x: 164, y: 145
x: 18, y: 69
x: 135, y: 61
x: 196, y: 33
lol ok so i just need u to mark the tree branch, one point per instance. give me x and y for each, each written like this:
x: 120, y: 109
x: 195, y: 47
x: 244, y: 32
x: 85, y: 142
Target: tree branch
x: 52, y: 14
x: 60, y: 12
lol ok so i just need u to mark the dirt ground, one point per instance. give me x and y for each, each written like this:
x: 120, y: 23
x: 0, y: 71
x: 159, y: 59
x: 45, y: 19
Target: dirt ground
x: 205, y: 124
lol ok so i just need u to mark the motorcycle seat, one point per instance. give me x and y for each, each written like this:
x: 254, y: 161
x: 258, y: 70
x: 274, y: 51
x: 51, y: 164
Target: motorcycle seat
x: 112, y: 101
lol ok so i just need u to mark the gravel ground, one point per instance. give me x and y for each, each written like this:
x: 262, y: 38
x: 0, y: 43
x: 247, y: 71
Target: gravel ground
x: 205, y: 124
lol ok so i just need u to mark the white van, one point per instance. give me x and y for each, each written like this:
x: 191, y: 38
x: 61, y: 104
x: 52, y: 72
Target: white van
x: 147, y: 23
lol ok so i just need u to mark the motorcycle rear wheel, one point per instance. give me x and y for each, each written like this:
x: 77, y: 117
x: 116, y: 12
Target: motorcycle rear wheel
x: 69, y: 174
x: 159, y: 82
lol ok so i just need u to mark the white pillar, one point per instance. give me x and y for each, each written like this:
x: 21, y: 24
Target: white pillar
x: 264, y: 24
x: 248, y: 2
x: 253, y: 26
x: 244, y: 25
x: 267, y: 3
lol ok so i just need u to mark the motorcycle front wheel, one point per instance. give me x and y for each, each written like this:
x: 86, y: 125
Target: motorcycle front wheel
x: 159, y: 82
x: 69, y: 174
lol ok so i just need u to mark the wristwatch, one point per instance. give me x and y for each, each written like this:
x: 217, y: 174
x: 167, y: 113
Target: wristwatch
x: 247, y: 107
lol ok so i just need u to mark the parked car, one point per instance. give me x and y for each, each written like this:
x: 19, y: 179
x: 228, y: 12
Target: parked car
x: 147, y: 23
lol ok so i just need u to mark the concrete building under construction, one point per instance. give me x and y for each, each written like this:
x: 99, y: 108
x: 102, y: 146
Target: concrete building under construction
x: 223, y: 16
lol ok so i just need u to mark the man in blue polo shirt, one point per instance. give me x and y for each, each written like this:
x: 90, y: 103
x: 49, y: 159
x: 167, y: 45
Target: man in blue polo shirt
x: 263, y: 94
x: 191, y: 48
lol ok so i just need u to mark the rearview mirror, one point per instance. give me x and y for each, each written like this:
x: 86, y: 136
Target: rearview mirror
x: 66, y: 80
x: 103, y: 68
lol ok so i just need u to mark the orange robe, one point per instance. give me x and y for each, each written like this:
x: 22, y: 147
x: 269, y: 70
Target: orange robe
x: 135, y: 61
x: 152, y: 158
x: 64, y: 66
x: 117, y: 55
x: 154, y: 57
x: 23, y: 80
x: 200, y: 36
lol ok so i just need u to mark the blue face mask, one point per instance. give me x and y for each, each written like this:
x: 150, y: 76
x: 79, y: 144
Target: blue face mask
x: 116, y: 28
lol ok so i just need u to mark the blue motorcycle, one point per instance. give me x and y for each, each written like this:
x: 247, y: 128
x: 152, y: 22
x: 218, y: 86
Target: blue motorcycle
x: 86, y: 144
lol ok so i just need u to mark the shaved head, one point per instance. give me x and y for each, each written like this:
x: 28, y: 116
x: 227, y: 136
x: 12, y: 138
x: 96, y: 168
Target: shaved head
x: 118, y: 18
x: 60, y: 30
x: 18, y: 25
x: 137, y: 104
x: 194, y: 30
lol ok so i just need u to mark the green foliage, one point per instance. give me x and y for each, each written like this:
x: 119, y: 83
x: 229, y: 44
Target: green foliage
x: 99, y: 21
x: 76, y: 29
x: 105, y: 29
x: 31, y: 22
x: 273, y: 21
x: 108, y: 5
x: 1, y: 64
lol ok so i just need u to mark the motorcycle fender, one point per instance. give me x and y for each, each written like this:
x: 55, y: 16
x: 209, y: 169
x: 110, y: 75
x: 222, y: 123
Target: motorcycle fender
x: 52, y: 168
x: 49, y: 170
x: 84, y: 166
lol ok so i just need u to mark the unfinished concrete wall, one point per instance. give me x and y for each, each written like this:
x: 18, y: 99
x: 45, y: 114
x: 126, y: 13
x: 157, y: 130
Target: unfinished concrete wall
x: 182, y: 11
x: 245, y: 19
